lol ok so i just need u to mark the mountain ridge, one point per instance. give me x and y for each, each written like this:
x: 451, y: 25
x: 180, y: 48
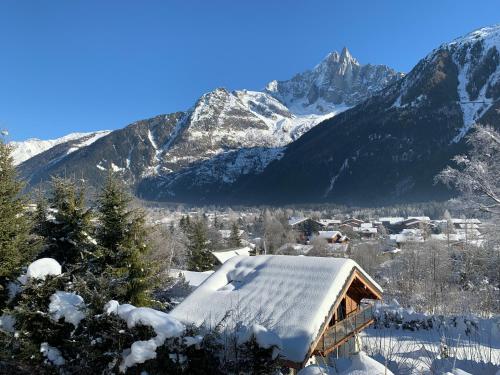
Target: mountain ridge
x: 224, y: 135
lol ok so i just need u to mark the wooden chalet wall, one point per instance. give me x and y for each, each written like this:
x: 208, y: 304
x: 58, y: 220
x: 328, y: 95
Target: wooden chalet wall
x: 356, y: 288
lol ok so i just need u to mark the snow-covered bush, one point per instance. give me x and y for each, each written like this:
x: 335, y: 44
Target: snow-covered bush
x: 393, y: 315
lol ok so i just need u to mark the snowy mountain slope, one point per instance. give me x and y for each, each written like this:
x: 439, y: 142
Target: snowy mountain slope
x: 223, y: 136
x: 25, y: 150
x: 389, y: 148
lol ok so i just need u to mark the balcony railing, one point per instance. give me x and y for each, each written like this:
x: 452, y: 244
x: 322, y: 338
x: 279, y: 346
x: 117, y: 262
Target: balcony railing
x: 344, y: 329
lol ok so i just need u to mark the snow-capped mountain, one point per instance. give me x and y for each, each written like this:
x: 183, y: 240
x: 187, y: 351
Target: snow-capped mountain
x: 390, y: 147
x: 335, y: 84
x: 223, y: 136
x: 25, y: 150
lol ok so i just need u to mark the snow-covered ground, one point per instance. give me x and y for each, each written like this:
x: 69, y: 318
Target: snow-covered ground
x: 413, y: 343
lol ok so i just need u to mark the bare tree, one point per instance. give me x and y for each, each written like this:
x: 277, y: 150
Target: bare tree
x: 478, y: 174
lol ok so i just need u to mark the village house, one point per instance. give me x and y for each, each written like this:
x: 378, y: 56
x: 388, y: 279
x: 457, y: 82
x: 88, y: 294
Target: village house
x: 305, y: 228
x: 337, y: 242
x: 406, y: 236
x: 330, y: 224
x: 366, y: 230
x: 317, y: 306
x: 391, y: 220
x: 353, y: 222
x: 332, y: 236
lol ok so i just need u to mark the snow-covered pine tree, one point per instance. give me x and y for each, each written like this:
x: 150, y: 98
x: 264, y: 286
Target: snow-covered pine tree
x: 123, y: 235
x: 68, y: 225
x: 199, y: 255
x: 15, y: 226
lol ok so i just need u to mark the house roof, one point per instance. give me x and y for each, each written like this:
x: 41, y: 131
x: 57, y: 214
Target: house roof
x: 296, y: 220
x: 421, y: 218
x: 292, y: 296
x: 392, y: 220
x: 193, y: 278
x: 366, y: 230
x: 327, y: 222
x: 224, y: 256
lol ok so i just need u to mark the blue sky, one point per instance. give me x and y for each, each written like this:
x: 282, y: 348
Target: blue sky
x: 82, y: 65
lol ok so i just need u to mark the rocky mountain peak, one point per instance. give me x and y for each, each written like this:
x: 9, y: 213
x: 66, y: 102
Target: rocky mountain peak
x: 338, y: 82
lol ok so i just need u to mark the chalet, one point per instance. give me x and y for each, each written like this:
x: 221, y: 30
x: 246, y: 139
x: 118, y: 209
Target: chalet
x: 317, y: 306
x: 305, y: 227
x: 366, y: 230
x: 425, y: 219
x: 407, y: 236
x: 333, y: 236
x: 389, y: 221
x: 330, y: 224
x: 352, y: 222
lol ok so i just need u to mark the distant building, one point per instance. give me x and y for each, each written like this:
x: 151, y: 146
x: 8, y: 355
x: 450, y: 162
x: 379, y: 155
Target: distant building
x: 366, y: 230
x: 223, y: 256
x: 406, y: 236
x: 353, y: 222
x: 305, y: 227
x: 332, y: 236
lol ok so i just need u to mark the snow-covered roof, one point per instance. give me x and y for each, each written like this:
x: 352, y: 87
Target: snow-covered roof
x: 296, y: 220
x: 421, y: 218
x: 290, y: 295
x: 300, y: 248
x: 193, y: 278
x: 224, y: 256
x: 408, y: 235
x: 327, y: 222
x: 353, y: 220
x: 367, y: 230
x: 329, y: 233
x: 392, y: 220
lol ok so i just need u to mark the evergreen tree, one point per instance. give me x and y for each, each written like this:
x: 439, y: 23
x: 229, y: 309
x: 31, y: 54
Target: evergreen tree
x: 68, y: 226
x: 15, y: 247
x: 199, y: 255
x: 185, y: 224
x: 234, y: 237
x: 123, y: 235
x: 40, y: 218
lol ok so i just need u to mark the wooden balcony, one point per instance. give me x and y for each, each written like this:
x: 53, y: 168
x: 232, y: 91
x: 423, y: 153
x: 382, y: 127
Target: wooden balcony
x: 344, y: 329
